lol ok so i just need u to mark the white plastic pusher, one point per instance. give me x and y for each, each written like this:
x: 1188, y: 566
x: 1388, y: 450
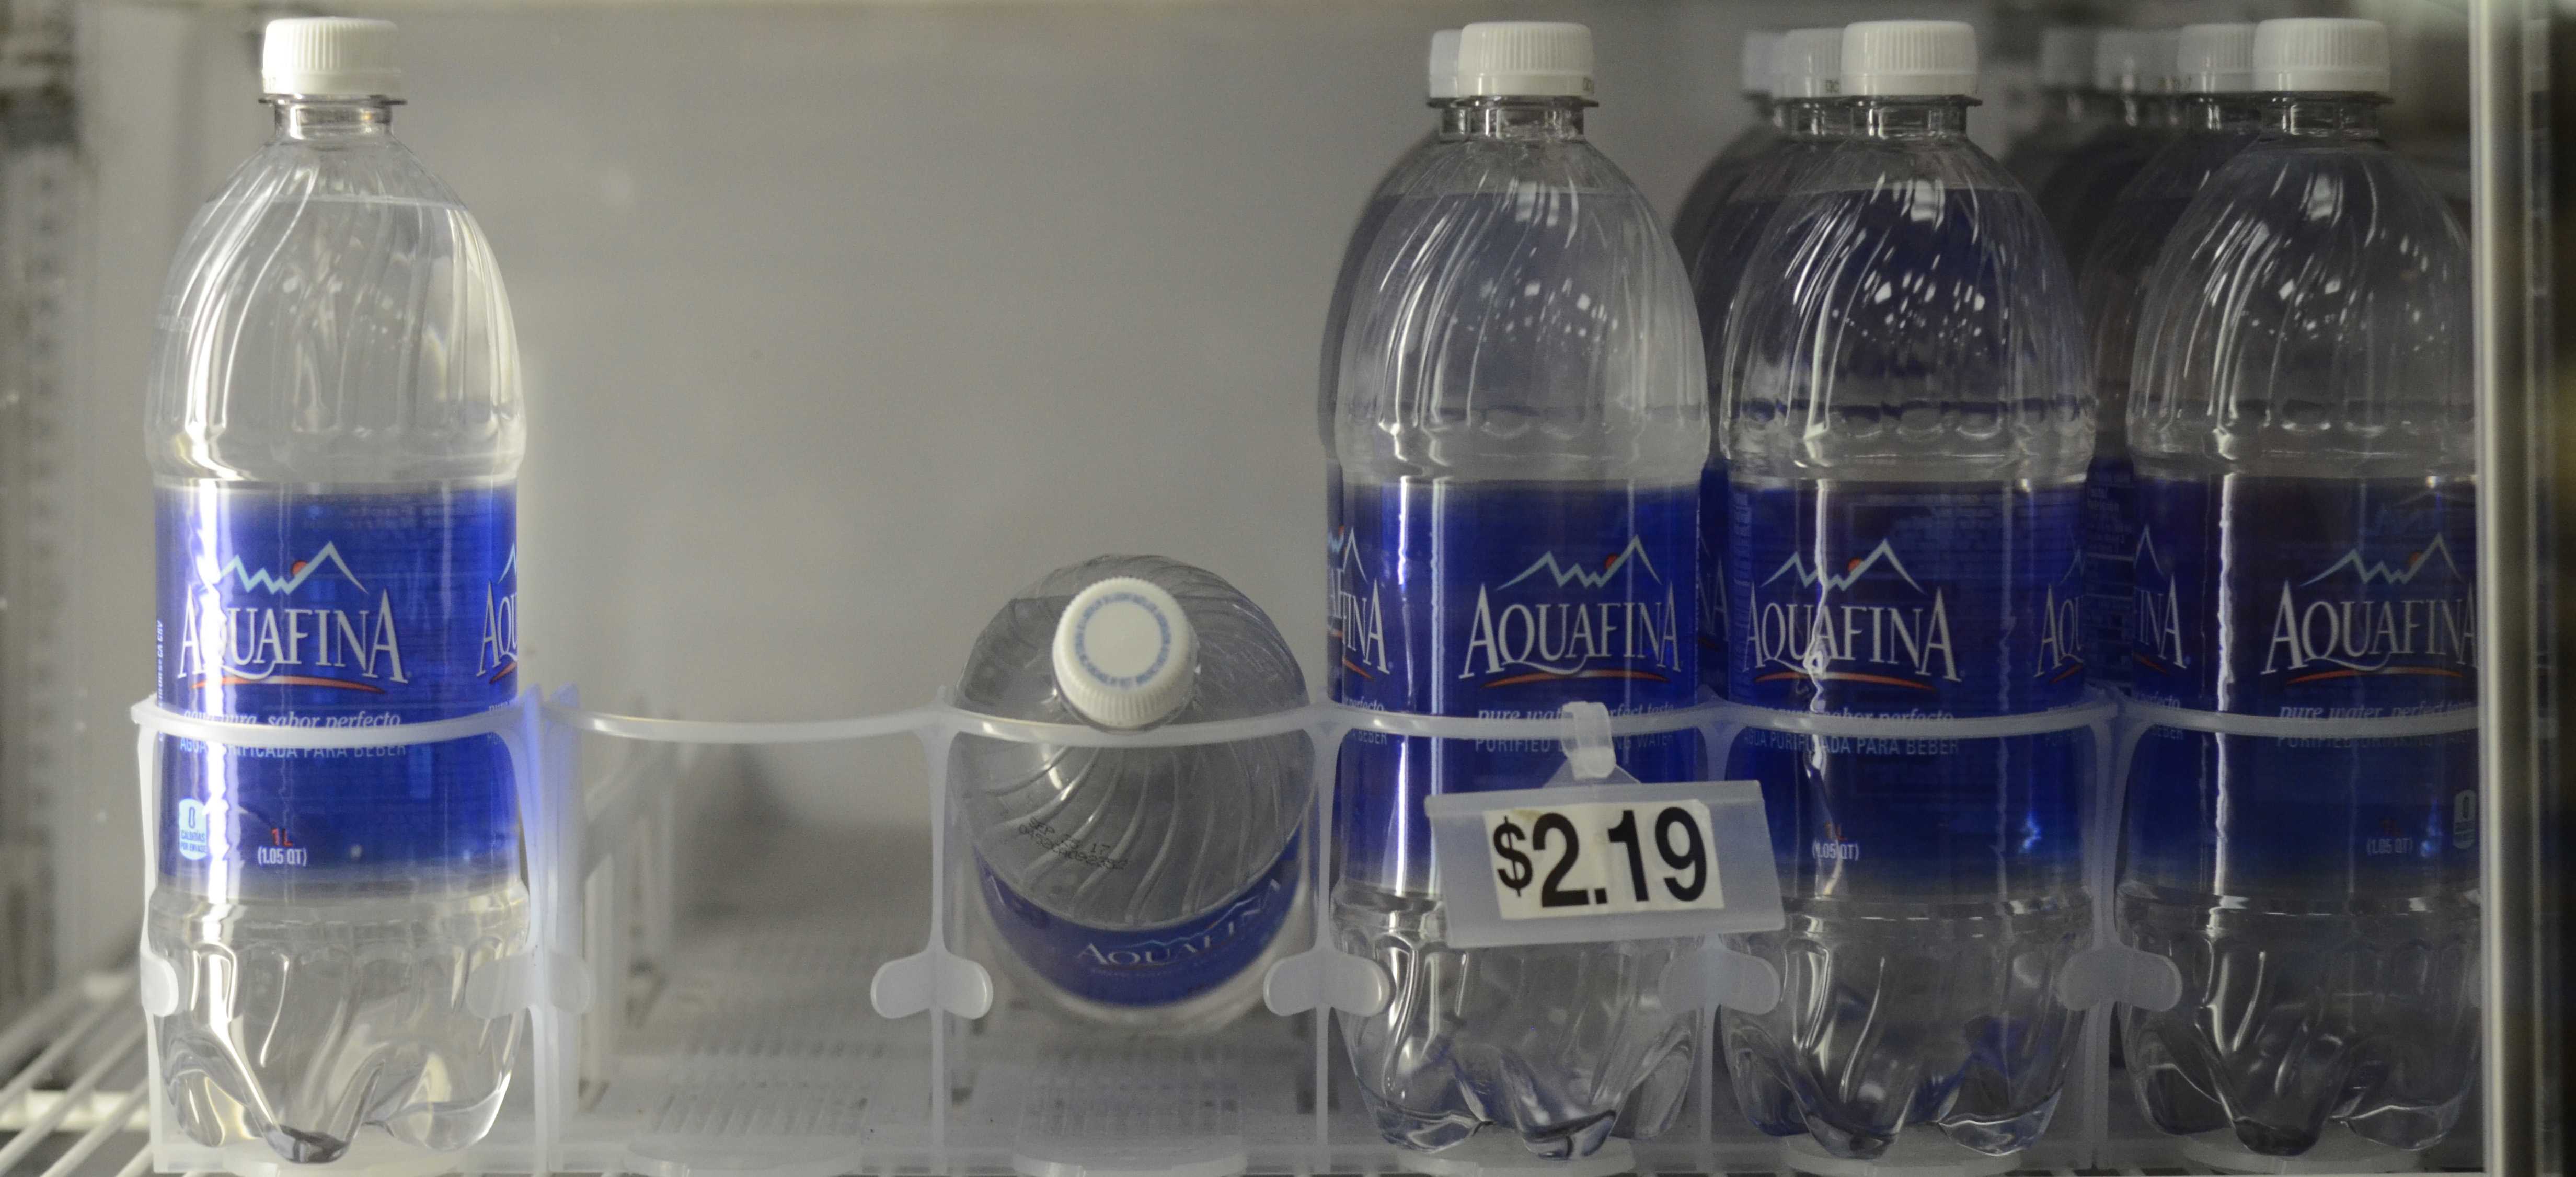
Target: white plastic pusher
x: 553, y: 980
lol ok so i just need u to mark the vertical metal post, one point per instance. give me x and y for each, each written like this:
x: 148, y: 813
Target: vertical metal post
x: 38, y: 207
x: 2509, y: 601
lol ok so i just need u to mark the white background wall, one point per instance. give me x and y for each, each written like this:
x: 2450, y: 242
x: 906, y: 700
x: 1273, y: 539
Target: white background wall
x: 843, y: 320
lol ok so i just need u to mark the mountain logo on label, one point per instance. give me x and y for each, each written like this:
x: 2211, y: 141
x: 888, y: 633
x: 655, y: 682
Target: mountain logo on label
x: 1356, y: 615
x: 1579, y: 573
x: 1856, y: 627
x: 348, y: 648
x: 2381, y: 572
x: 1558, y: 620
x: 2366, y: 618
x: 2061, y: 628
x: 2155, y: 617
x: 264, y: 580
x: 1853, y: 570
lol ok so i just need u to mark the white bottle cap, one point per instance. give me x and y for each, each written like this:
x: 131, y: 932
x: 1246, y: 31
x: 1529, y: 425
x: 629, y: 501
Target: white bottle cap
x: 2066, y: 57
x: 1808, y: 63
x: 2133, y: 61
x: 1525, y: 59
x: 2321, y: 55
x: 333, y: 56
x: 1443, y: 68
x: 2214, y: 59
x: 1754, y: 67
x: 1927, y: 58
x: 1125, y: 655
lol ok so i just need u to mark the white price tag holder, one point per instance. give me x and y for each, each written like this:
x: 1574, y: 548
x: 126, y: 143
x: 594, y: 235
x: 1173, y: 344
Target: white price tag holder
x: 1596, y: 856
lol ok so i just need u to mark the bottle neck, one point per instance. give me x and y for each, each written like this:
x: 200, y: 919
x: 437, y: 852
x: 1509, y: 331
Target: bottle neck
x: 1911, y: 117
x: 2221, y: 112
x: 2080, y: 104
x: 332, y: 120
x: 1815, y: 118
x: 2323, y: 116
x: 1517, y: 118
x: 1764, y: 110
x: 2150, y: 111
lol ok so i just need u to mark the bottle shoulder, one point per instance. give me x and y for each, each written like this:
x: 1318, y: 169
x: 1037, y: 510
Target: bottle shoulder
x: 334, y: 314
x: 2313, y: 303
x: 1521, y: 306
x: 1907, y: 303
x: 2113, y: 273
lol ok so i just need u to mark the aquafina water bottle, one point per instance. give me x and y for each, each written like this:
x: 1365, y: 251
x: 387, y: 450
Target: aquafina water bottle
x: 2304, y: 430
x: 335, y: 434
x: 1710, y: 188
x: 2133, y: 71
x: 1441, y: 85
x: 1806, y: 67
x: 1522, y: 420
x: 1906, y: 424
x: 1136, y: 887
x: 2219, y: 116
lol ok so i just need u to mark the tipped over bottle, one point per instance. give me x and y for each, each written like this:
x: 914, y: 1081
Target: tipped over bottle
x: 2304, y: 427
x: 1521, y: 425
x: 335, y: 432
x: 1137, y: 887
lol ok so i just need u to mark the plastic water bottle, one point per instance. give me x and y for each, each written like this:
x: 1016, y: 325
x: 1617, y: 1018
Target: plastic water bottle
x: 1709, y: 189
x: 1906, y: 422
x: 2071, y: 110
x: 1442, y: 87
x: 1523, y: 419
x: 2134, y: 68
x: 1806, y: 65
x: 2304, y: 432
x: 2214, y: 72
x: 1137, y: 887
x: 335, y: 430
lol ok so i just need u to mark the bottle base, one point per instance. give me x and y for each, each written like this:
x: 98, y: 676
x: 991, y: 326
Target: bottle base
x: 2337, y: 1153
x: 1901, y: 1020
x: 1498, y: 1154
x: 335, y: 1035
x: 1922, y: 1152
x: 1559, y: 1045
x: 2363, y: 1022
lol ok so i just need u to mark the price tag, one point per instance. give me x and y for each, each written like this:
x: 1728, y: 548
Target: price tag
x: 1570, y: 864
x: 1556, y: 861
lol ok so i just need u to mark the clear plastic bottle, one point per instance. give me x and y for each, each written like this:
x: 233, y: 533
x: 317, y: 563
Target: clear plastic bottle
x: 2213, y: 71
x: 1138, y: 887
x: 334, y: 431
x: 1805, y: 67
x: 2133, y: 68
x: 1523, y: 420
x: 1906, y: 421
x: 1441, y: 84
x: 2304, y: 430
x: 1709, y: 189
x: 2071, y: 110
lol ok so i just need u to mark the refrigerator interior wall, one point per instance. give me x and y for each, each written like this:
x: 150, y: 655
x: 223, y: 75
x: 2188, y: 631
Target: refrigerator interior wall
x: 842, y: 321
